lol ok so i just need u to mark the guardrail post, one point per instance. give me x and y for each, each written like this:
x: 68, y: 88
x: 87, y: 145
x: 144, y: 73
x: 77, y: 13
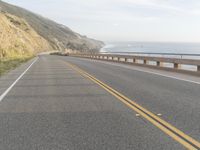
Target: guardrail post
x: 177, y: 66
x: 134, y: 60
x: 159, y: 64
x: 198, y: 68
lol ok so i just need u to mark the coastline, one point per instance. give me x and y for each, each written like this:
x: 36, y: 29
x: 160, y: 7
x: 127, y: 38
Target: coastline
x: 151, y: 47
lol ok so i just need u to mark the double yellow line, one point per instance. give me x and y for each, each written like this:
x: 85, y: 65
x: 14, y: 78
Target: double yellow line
x: 170, y: 130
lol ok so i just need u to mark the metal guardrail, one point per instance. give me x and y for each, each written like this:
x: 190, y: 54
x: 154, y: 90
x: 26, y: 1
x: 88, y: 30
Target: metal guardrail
x: 171, y: 55
x: 150, y: 53
x: 149, y: 61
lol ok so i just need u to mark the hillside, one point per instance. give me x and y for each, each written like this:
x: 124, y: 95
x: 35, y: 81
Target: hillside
x: 18, y: 38
x: 23, y: 30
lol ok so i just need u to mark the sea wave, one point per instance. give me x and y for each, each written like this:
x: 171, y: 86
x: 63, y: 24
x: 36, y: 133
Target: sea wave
x: 107, y: 46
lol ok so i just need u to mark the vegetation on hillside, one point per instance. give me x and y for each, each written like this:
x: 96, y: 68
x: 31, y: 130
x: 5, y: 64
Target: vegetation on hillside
x: 18, y: 42
x: 18, y: 39
x: 23, y: 34
x: 7, y: 64
x: 58, y: 36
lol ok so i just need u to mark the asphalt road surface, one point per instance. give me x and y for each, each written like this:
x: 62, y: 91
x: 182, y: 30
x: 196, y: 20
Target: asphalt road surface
x: 54, y: 107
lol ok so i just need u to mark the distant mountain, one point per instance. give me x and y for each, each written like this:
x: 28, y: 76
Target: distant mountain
x: 53, y: 35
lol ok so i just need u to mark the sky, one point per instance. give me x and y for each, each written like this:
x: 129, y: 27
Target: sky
x: 124, y: 20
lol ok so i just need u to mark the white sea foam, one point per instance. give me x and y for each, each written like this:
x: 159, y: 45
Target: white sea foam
x: 107, y: 46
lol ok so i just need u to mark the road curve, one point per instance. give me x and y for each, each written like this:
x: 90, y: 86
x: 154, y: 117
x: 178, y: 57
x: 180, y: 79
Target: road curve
x: 178, y: 101
x: 54, y: 107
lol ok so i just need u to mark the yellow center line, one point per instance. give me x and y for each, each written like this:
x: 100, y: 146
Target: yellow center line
x: 167, y: 128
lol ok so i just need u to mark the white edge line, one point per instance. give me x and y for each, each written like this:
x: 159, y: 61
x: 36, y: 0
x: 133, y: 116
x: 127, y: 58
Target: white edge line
x: 168, y: 76
x: 128, y: 67
x: 13, y: 84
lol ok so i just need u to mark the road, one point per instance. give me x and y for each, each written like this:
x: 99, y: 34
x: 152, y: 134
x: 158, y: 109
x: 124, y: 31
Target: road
x: 53, y: 106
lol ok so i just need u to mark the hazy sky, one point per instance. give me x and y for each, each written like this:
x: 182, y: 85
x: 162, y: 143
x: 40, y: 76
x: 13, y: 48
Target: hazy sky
x: 124, y: 20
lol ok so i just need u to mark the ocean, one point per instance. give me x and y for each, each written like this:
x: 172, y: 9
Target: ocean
x: 171, y: 50
x: 152, y: 47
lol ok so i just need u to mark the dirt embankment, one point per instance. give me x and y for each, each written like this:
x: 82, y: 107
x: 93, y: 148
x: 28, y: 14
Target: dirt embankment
x: 18, y: 39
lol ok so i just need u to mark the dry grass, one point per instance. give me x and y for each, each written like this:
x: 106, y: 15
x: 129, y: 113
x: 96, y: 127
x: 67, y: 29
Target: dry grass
x: 17, y: 37
x: 8, y: 64
x: 18, y: 42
